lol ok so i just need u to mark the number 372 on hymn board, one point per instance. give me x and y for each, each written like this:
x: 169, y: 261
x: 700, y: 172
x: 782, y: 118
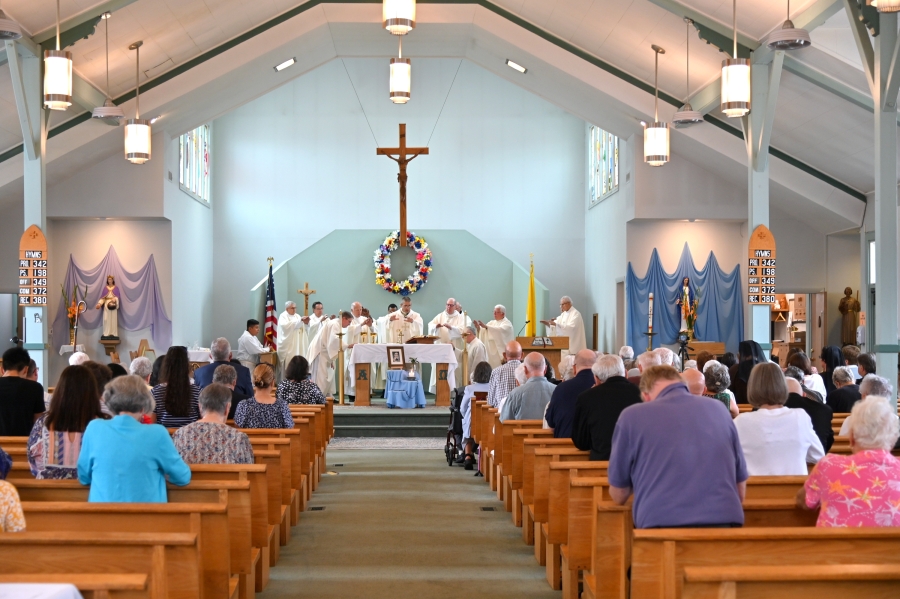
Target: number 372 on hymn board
x: 761, y: 267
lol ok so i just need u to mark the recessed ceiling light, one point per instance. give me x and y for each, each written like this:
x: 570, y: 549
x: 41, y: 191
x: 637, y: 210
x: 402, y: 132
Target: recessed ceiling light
x: 287, y: 63
x: 516, y: 66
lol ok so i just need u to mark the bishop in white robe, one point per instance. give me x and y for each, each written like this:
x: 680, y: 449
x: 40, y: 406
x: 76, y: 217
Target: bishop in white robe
x: 448, y: 327
x: 568, y: 324
x: 405, y: 323
x: 495, y: 335
x: 323, y: 350
x: 476, y: 352
x: 292, y: 338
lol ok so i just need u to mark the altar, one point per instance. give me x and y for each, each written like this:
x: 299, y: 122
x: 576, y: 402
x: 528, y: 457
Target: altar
x: 365, y: 354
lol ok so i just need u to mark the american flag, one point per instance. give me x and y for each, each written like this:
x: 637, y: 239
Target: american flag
x: 271, y: 330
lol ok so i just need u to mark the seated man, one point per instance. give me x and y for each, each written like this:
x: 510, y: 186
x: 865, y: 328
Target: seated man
x: 21, y: 399
x: 680, y: 456
x: 219, y: 354
x: 503, y: 378
x: 695, y: 381
x: 529, y: 401
x: 561, y: 410
x: 597, y: 409
x: 845, y: 393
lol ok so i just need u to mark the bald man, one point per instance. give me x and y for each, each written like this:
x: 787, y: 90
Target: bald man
x: 503, y: 378
x: 695, y: 381
x: 561, y: 411
x: 529, y: 401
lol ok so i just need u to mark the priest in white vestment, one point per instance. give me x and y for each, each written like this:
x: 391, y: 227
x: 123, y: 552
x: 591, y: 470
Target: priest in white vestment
x: 249, y: 348
x: 360, y: 327
x: 448, y: 327
x: 568, y: 324
x: 475, y: 350
x: 404, y: 324
x: 316, y: 319
x: 323, y: 350
x: 379, y: 376
x: 292, y: 339
x: 495, y: 335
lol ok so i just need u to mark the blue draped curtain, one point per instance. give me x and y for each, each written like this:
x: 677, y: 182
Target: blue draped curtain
x: 720, y: 310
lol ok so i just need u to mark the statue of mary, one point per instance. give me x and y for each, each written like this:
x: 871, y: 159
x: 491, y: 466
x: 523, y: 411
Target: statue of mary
x: 110, y: 303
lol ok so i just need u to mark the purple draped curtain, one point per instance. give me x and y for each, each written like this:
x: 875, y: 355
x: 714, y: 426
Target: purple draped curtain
x: 141, y: 303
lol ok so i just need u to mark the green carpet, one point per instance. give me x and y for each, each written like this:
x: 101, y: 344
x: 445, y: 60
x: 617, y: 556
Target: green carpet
x: 400, y: 524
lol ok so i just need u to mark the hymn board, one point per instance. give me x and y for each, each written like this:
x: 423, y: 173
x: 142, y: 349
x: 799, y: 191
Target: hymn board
x: 33, y: 267
x: 761, y: 267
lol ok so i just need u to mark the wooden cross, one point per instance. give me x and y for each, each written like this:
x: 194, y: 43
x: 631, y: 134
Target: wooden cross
x: 306, y: 291
x: 403, y: 157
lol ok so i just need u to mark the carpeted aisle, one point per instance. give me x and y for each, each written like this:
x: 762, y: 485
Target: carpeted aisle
x: 400, y: 524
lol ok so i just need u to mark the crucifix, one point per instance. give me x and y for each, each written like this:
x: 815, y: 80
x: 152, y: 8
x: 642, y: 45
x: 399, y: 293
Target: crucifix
x: 306, y: 291
x: 403, y: 157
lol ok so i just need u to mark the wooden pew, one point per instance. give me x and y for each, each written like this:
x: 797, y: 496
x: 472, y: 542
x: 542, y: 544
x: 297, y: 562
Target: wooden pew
x: 169, y: 560
x: 517, y: 461
x: 300, y: 463
x: 528, y: 448
x: 490, y: 416
x: 95, y: 585
x: 282, y: 447
x: 272, y: 461
x: 503, y: 432
x: 543, y: 457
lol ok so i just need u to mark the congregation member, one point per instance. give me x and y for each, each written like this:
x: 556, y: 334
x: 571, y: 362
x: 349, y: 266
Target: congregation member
x: 78, y: 358
x: 496, y: 334
x: 694, y: 379
x: 292, y: 330
x: 176, y: 396
x: 157, y: 368
x: 481, y: 378
x: 626, y: 352
x: 263, y: 410
x: 33, y: 371
x: 861, y: 489
x: 220, y: 354
x: 865, y: 364
x: 210, y: 440
x: 55, y: 440
x: 21, y: 400
x: 249, y: 347
x: 323, y: 350
x: 141, y: 367
x: 123, y: 460
x: 102, y: 374
x: 561, y: 410
x: 597, y: 410
x: 872, y: 384
x: 568, y: 324
x: 702, y: 358
x: 777, y: 441
x: 728, y: 360
x: 12, y: 518
x: 117, y: 370
x: 226, y: 374
x: 448, y: 327
x: 476, y: 352
x: 831, y: 358
x: 645, y: 361
x: 819, y: 413
x: 717, y: 380
x: 404, y: 324
x: 680, y: 456
x: 851, y: 360
x: 296, y: 388
x: 503, y: 378
x: 797, y: 374
x: 528, y: 401
x: 666, y: 357
x: 845, y: 392
x: 749, y: 355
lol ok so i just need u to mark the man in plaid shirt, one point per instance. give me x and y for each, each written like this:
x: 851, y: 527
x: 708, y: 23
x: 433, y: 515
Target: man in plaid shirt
x: 503, y: 378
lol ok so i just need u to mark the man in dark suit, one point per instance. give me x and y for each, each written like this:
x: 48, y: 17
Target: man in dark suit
x: 227, y: 375
x: 220, y: 353
x: 597, y: 409
x: 561, y: 409
x: 846, y: 392
x: 645, y: 361
x: 819, y: 413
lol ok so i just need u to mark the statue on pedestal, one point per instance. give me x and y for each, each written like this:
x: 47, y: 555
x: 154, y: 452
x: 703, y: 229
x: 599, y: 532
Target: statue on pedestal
x: 688, y: 307
x: 109, y: 303
x: 849, y: 309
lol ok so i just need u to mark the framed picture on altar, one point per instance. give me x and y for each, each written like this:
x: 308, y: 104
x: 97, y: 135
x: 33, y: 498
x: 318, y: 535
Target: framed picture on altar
x: 396, y: 357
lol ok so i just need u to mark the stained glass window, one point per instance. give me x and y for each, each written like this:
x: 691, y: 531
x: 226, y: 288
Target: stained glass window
x: 193, y: 151
x: 603, y: 161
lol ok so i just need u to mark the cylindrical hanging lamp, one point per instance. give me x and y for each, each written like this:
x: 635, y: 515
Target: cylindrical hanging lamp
x: 687, y: 116
x: 401, y: 79
x: 137, y: 130
x: 656, y: 134
x: 57, y: 75
x: 399, y: 16
x: 735, y: 81
x: 788, y: 37
x: 885, y: 5
x: 108, y: 110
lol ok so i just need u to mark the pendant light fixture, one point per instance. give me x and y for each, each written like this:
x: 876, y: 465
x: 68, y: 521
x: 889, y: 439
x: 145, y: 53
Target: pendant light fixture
x: 885, y: 5
x: 401, y: 78
x: 137, y: 130
x: 687, y: 116
x: 788, y: 37
x: 735, y: 80
x: 57, y: 75
x: 399, y: 16
x: 656, y: 134
x: 108, y: 110
x: 9, y: 29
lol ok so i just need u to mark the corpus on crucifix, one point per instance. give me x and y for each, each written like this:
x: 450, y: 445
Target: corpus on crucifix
x: 402, y: 156
x: 306, y: 291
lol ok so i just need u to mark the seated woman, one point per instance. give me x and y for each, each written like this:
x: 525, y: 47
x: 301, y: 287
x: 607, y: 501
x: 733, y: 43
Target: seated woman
x: 210, y: 440
x: 296, y: 388
x: 717, y: 381
x: 481, y: 380
x: 12, y: 519
x: 263, y: 410
x: 126, y: 461
x: 55, y: 440
x: 861, y: 489
x: 776, y: 440
x: 176, y: 396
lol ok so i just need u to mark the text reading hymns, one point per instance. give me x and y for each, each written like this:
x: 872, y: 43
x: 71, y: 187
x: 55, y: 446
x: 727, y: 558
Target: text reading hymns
x: 33, y: 268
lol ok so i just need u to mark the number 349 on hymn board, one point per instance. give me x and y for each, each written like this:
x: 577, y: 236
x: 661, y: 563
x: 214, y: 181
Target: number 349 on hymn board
x: 761, y: 267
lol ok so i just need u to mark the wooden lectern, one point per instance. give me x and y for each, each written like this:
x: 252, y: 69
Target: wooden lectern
x: 553, y: 353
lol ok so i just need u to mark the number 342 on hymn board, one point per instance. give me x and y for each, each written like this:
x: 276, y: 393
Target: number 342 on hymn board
x: 761, y: 267
x: 33, y: 268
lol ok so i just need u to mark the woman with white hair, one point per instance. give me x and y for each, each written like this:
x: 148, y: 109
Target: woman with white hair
x: 862, y: 489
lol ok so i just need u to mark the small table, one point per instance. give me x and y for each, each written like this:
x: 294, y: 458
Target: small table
x: 402, y: 393
x: 440, y: 355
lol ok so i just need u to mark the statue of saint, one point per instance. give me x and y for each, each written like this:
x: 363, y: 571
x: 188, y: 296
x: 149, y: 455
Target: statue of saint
x: 686, y: 301
x: 110, y: 303
x: 849, y: 309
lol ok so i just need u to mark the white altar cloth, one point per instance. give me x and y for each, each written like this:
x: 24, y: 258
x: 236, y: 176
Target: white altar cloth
x: 367, y: 353
x: 198, y: 355
x: 39, y: 591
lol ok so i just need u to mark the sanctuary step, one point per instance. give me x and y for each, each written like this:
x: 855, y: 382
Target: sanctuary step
x: 391, y: 423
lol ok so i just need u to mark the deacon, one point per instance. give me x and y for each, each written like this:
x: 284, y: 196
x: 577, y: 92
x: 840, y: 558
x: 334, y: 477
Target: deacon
x: 477, y: 352
x: 448, y: 327
x: 315, y: 322
x: 323, y: 349
x: 249, y: 348
x: 495, y: 335
x: 405, y: 324
x: 359, y: 325
x: 568, y: 324
x: 292, y: 338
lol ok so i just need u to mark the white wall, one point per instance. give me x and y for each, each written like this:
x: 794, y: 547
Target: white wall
x: 724, y: 239
x: 801, y: 255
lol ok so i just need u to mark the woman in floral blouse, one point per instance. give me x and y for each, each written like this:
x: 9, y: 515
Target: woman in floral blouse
x: 210, y: 440
x: 263, y: 410
x: 296, y: 388
x: 11, y: 517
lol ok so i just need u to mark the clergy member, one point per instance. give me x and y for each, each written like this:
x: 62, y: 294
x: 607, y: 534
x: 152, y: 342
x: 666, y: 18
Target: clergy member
x: 477, y: 352
x: 315, y: 322
x: 404, y: 324
x: 323, y: 349
x: 382, y: 326
x: 359, y: 325
x: 568, y: 324
x: 292, y: 338
x: 495, y: 335
x: 249, y: 347
x: 448, y: 327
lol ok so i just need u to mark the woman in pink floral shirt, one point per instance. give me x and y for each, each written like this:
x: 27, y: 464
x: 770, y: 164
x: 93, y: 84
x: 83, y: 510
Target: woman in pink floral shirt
x: 862, y: 489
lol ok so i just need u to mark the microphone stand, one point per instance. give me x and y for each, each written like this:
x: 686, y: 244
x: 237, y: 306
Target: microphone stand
x: 523, y: 328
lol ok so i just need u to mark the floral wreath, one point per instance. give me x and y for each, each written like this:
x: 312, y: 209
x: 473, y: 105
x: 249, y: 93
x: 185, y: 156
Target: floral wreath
x: 413, y: 282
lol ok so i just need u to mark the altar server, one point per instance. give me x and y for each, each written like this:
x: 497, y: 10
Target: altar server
x: 249, y: 348
x: 448, y: 327
x: 404, y: 324
x: 568, y: 324
x: 495, y: 335
x: 477, y: 352
x: 323, y: 350
x: 292, y: 338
